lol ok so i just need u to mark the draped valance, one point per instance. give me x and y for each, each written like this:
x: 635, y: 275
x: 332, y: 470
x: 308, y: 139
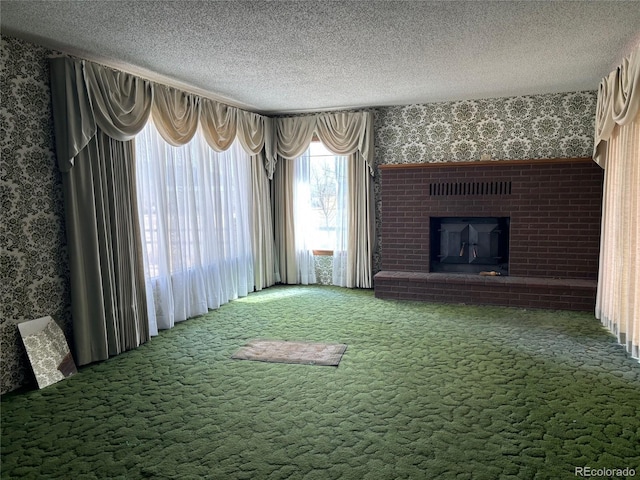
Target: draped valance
x: 218, y: 124
x: 175, y: 115
x: 618, y: 103
x: 343, y: 133
x: 88, y: 96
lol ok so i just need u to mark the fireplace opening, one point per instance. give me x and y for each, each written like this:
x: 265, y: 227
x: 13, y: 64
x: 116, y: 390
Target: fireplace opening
x: 469, y: 244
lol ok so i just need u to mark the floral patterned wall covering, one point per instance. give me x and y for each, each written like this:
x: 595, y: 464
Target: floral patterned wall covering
x: 34, y: 270
x: 324, y: 269
x: 512, y: 128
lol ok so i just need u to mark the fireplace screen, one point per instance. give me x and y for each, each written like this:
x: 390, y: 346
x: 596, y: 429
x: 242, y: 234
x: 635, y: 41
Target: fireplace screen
x: 470, y: 244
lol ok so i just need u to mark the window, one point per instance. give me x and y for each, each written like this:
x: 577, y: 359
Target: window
x: 327, y: 187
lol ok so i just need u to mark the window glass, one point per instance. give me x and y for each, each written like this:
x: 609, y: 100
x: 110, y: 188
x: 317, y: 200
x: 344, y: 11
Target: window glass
x: 326, y: 175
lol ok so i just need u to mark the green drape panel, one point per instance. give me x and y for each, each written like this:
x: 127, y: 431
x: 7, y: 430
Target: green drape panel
x: 89, y: 310
x: 283, y: 222
x: 361, y: 224
x: 108, y: 302
x: 74, y: 124
x: 265, y: 268
x: 107, y: 281
x: 131, y: 327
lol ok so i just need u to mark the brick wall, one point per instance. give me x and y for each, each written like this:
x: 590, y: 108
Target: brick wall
x: 554, y: 207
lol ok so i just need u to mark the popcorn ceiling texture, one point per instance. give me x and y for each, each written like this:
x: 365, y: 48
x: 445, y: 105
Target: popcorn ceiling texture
x: 287, y: 56
x: 32, y: 238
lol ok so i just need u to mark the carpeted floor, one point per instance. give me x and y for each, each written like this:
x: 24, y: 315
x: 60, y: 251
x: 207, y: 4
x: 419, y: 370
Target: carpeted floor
x: 423, y: 391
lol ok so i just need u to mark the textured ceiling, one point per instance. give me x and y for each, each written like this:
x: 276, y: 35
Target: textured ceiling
x: 286, y: 56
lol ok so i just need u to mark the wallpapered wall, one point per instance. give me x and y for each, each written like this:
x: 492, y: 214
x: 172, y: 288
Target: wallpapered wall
x: 34, y: 270
x: 34, y: 266
x: 513, y: 128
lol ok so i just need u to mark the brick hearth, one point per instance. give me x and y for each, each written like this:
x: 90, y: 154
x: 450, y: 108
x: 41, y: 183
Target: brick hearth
x: 554, y: 207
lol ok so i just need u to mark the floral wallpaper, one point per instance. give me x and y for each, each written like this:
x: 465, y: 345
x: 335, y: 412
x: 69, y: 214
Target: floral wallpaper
x: 557, y: 125
x: 324, y: 269
x: 33, y: 261
x: 514, y: 128
x: 49, y: 353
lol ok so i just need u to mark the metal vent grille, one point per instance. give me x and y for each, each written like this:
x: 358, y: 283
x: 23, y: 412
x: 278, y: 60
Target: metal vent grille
x: 470, y: 188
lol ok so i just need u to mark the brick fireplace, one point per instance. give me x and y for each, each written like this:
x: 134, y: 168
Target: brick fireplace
x: 551, y: 209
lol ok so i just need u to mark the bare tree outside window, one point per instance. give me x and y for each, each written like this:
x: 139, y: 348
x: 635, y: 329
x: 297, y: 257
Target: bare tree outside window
x: 324, y: 179
x: 324, y: 190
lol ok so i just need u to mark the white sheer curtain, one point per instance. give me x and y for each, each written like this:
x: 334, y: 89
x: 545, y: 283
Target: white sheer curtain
x: 316, y: 202
x: 617, y: 150
x: 618, y: 299
x: 340, y: 249
x: 194, y: 206
x: 302, y: 218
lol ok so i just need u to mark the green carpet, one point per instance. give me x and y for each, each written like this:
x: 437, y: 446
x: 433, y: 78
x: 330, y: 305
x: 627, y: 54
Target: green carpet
x: 424, y: 391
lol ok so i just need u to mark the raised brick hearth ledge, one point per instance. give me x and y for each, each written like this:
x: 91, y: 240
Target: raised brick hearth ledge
x: 527, y: 292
